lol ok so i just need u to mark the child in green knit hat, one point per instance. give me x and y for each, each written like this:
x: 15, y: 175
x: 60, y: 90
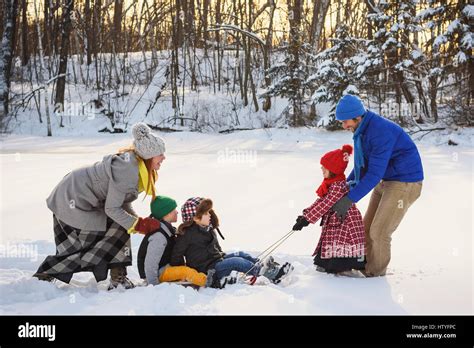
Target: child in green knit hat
x: 154, y: 254
x: 162, y: 206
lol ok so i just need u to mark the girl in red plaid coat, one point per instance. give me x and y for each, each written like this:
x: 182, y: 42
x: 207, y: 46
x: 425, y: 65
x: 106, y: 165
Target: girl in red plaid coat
x: 341, y: 247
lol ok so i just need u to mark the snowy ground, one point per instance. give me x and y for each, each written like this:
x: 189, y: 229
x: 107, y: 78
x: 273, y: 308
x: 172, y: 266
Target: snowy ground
x: 259, y: 180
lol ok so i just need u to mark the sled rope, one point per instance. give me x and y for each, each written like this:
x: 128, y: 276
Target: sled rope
x: 274, y: 246
x: 267, y: 253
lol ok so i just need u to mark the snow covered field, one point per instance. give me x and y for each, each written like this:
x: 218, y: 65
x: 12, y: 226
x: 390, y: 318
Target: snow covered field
x: 259, y: 181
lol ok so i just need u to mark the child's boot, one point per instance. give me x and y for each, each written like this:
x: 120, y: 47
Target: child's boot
x: 232, y: 278
x: 284, y: 270
x: 269, y: 268
x: 273, y: 271
x: 210, y: 280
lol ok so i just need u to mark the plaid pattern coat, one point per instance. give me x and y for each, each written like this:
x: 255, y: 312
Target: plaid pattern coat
x: 82, y: 250
x: 338, y: 239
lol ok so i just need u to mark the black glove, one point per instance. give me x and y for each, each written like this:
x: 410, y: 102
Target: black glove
x: 300, y: 223
x: 341, y: 207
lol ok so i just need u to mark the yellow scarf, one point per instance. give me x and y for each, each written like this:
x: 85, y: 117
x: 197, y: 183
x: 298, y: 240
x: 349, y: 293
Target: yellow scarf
x: 143, y: 177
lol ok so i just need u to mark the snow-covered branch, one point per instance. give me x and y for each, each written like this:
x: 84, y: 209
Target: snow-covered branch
x: 232, y: 27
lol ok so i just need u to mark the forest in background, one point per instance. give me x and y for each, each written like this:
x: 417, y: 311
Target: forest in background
x: 410, y: 60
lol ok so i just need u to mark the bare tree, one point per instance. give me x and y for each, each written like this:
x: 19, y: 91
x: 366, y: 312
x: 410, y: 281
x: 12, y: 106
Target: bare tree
x: 88, y: 29
x: 43, y: 83
x: 117, y: 26
x: 295, y: 9
x: 267, y: 104
x: 320, y: 9
x: 25, y: 52
x: 205, y: 24
x: 6, y: 55
x: 63, y: 55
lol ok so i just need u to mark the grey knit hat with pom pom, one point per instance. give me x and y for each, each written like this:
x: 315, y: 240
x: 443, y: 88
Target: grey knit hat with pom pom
x: 147, y: 145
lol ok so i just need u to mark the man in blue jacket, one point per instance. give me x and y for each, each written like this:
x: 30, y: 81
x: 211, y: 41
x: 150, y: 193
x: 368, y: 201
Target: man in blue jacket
x: 386, y: 161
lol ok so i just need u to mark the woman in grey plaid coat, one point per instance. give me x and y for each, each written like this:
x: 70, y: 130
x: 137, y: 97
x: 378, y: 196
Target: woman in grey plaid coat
x: 93, y: 216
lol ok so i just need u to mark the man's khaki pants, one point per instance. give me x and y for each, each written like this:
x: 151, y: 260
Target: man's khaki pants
x: 388, y: 205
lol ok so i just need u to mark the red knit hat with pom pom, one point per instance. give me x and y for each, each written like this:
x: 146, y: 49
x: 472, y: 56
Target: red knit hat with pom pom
x: 336, y: 161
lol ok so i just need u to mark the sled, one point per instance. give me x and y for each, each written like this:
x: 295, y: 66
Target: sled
x: 186, y: 284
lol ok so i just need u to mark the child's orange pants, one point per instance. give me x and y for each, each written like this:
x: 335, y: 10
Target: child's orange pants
x: 183, y: 273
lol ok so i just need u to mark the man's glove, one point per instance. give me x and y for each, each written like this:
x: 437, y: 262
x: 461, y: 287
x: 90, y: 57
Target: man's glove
x: 300, y: 223
x: 341, y: 207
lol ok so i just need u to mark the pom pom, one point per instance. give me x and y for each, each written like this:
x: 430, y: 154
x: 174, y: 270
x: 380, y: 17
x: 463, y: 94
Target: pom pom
x: 140, y: 131
x: 347, y: 149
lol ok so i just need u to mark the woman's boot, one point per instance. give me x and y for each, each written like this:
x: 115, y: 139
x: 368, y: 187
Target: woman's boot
x: 118, y: 276
x: 45, y: 277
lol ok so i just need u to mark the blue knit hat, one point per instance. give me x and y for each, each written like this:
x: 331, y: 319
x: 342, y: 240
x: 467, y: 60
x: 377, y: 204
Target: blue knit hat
x: 349, y: 107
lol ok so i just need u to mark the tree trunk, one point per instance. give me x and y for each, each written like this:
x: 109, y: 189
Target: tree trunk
x: 174, y: 56
x: 2, y: 12
x: 470, y: 69
x: 205, y: 25
x: 320, y: 10
x: 88, y: 27
x: 179, y: 23
x: 117, y: 30
x: 63, y: 54
x: 25, y: 53
x: 295, y: 8
x: 46, y: 26
x: 6, y: 56
x: 218, y: 39
x: 370, y: 10
x: 193, y: 41
x: 41, y: 78
x: 267, y: 103
x: 248, y: 59
x: 433, y: 95
x: 417, y: 74
x: 96, y: 34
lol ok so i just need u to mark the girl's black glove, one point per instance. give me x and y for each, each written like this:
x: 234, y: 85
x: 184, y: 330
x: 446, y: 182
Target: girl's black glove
x: 300, y: 223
